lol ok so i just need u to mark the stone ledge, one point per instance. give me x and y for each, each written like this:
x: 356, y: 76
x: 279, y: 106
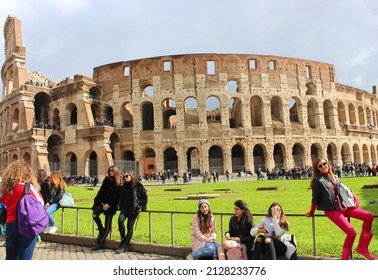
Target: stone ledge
x: 151, y: 248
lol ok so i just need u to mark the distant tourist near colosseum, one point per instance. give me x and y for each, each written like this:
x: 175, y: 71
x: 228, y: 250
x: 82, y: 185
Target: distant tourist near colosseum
x: 196, y: 113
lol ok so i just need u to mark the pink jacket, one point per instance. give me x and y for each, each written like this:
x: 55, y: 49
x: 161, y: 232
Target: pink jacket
x: 198, y: 238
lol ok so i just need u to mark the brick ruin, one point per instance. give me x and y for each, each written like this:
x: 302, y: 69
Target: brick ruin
x: 190, y: 112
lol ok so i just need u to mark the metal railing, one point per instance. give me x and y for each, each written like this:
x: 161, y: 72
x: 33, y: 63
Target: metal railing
x: 172, y: 215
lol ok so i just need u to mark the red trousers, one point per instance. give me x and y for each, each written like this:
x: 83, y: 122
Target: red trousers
x: 338, y: 217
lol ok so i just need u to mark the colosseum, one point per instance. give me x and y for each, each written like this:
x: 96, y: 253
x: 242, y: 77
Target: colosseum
x: 190, y: 112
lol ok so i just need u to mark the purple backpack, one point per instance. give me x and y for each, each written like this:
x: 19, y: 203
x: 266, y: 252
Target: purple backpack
x: 32, y: 218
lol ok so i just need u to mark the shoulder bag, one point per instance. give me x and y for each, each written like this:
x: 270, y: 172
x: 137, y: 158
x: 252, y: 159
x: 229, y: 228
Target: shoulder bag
x: 67, y: 200
x: 346, y: 199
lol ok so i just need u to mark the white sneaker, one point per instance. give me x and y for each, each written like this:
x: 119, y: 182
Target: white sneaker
x: 53, y: 229
x: 47, y: 229
x: 190, y: 257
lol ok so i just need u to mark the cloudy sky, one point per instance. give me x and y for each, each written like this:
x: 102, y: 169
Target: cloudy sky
x: 68, y: 37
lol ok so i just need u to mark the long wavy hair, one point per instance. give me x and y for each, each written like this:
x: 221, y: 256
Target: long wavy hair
x: 57, y: 181
x: 116, y: 176
x: 316, y: 171
x: 283, y: 222
x: 17, y: 171
x: 205, y: 223
x: 247, y: 217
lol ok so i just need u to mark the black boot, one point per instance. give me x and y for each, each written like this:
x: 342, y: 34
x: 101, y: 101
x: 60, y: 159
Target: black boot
x: 96, y: 247
x: 121, y: 249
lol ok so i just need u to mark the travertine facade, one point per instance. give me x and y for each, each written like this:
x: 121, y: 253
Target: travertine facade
x: 196, y: 112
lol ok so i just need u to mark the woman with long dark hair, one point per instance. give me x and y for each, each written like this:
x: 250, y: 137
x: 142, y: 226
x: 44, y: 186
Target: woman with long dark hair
x: 238, y: 234
x: 269, y: 232
x: 204, y: 233
x: 325, y: 197
x: 133, y: 200
x: 106, y: 203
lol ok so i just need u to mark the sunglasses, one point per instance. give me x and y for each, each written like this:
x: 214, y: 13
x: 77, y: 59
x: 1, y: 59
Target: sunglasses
x: 111, y: 170
x: 322, y: 164
x: 126, y: 176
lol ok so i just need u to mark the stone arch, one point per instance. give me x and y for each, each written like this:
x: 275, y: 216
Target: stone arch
x: 213, y: 112
x: 149, y: 164
x: 298, y: 153
x: 341, y: 113
x: 276, y: 111
x: 259, y: 156
x: 235, y: 112
x: 54, y: 144
x: 71, y: 113
x: 169, y: 113
x: 148, y: 91
x: 332, y: 153
x: 191, y: 112
x: 41, y: 107
x: 147, y: 111
x: 93, y: 164
x: 216, y: 159
x: 352, y: 114
x: 232, y: 86
x: 27, y: 158
x: 295, y: 111
x: 312, y: 112
x: 127, y: 115
x: 96, y: 113
x: 95, y: 93
x: 170, y: 159
x: 128, y: 161
x: 279, y: 155
x: 15, y: 119
x: 256, y: 110
x: 237, y: 158
x: 114, y: 144
x: 56, y: 119
x: 365, y: 153
x: 328, y: 114
x: 356, y: 154
x: 72, y: 163
x: 361, y: 116
x: 316, y: 151
x: 109, y: 116
x: 193, y: 161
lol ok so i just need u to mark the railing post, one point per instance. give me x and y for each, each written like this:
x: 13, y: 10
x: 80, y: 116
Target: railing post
x: 172, y: 230
x: 313, y: 235
x: 222, y: 228
x: 150, y: 225
x: 77, y: 221
x: 62, y: 220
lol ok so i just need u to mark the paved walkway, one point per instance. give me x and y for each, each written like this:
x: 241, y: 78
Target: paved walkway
x: 59, y: 251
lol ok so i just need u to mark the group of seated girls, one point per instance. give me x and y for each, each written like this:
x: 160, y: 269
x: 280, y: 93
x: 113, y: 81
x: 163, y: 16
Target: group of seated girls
x: 244, y: 239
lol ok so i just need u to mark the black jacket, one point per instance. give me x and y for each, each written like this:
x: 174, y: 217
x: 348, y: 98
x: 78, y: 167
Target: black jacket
x: 243, y: 233
x: 139, y: 197
x: 54, y: 195
x: 107, y: 194
x: 323, y: 193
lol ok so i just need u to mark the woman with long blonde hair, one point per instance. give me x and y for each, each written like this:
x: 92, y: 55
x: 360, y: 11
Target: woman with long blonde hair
x: 57, y: 188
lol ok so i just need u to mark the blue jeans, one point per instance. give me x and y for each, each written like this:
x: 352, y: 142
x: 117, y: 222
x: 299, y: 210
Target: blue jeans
x: 210, y: 250
x: 18, y: 247
x: 52, y: 208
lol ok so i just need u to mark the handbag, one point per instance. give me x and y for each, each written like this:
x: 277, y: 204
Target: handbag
x: 346, y: 199
x: 67, y: 200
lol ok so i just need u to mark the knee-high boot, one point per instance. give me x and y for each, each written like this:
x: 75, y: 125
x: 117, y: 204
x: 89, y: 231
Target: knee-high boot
x: 363, y: 245
x: 98, y: 244
x: 345, y: 254
x: 122, y: 246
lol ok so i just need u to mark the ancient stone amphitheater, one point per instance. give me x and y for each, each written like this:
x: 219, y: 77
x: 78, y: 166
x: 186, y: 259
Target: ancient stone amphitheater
x: 190, y: 112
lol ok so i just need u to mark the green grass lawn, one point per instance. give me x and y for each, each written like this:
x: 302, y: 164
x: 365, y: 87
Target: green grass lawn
x: 293, y: 195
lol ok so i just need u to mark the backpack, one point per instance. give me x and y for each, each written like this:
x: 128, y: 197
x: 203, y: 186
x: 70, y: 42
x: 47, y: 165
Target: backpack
x: 237, y: 253
x: 32, y: 218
